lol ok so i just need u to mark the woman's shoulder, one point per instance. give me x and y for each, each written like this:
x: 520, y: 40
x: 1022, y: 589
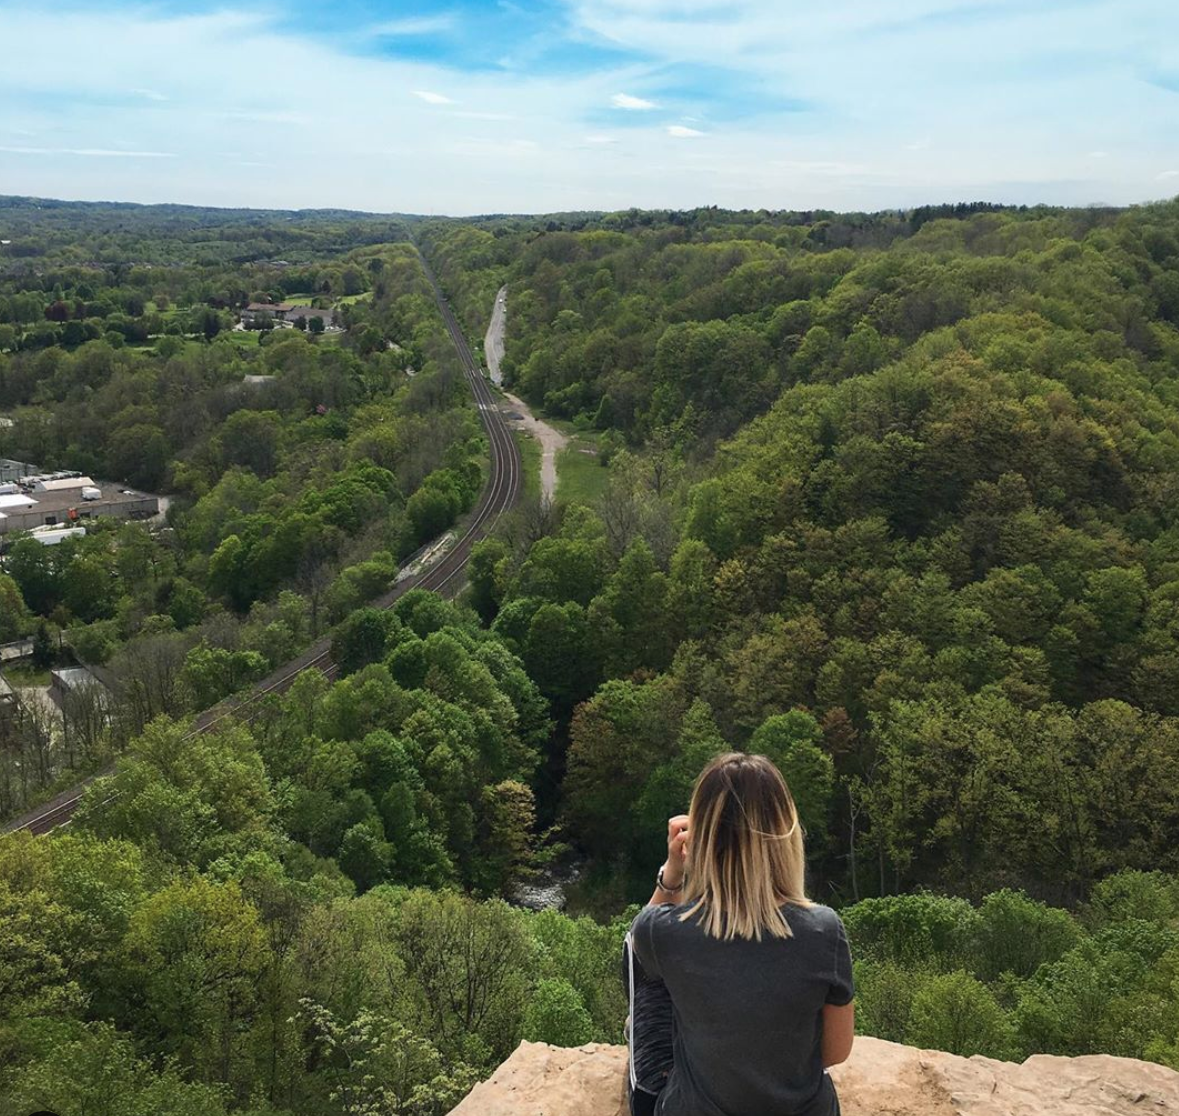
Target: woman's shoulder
x: 656, y: 916
x: 816, y: 917
x: 659, y: 920
x: 662, y: 922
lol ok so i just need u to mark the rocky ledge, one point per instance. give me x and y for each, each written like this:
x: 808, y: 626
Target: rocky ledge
x: 880, y: 1079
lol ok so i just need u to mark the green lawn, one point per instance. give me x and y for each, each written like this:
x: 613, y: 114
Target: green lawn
x: 242, y: 338
x: 347, y: 300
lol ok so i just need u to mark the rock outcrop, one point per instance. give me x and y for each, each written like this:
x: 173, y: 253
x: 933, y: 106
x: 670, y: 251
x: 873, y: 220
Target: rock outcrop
x: 880, y: 1079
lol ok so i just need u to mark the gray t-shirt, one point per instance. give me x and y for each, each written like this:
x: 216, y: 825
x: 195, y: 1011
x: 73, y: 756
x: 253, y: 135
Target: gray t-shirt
x: 748, y: 1015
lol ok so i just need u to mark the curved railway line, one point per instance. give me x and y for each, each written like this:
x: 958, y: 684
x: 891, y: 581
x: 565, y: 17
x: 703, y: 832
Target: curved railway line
x: 444, y: 576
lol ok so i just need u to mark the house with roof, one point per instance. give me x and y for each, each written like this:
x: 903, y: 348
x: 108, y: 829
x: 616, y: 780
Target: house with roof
x: 309, y: 312
x: 260, y: 311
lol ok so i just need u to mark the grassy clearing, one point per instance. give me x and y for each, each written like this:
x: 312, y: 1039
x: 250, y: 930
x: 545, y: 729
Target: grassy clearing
x: 581, y: 478
x: 348, y: 300
x: 530, y: 462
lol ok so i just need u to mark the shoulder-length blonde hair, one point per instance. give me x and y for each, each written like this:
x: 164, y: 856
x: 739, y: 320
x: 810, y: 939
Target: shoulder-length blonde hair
x: 746, y: 853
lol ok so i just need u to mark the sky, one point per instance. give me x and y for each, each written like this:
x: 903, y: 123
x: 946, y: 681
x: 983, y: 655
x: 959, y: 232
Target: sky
x: 526, y: 106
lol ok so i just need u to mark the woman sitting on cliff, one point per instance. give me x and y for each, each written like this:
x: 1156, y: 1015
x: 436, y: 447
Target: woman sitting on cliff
x: 740, y: 986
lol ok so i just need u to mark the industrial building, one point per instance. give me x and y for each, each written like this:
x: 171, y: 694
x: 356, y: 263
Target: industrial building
x: 62, y: 499
x: 68, y: 682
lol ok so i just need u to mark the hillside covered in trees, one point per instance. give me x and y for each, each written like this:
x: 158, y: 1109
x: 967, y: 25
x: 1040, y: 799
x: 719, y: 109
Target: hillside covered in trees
x: 889, y: 498
x: 893, y: 498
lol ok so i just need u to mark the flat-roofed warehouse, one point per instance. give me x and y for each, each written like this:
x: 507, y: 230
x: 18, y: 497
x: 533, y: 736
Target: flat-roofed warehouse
x: 63, y: 501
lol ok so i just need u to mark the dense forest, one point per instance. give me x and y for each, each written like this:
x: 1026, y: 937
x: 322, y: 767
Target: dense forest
x: 300, y: 466
x: 903, y: 517
x: 890, y: 498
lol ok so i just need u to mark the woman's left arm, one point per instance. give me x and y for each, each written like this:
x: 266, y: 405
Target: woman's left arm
x: 839, y: 1031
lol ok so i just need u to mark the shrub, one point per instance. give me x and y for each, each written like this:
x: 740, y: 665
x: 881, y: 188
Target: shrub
x: 556, y: 1015
x: 955, y: 1012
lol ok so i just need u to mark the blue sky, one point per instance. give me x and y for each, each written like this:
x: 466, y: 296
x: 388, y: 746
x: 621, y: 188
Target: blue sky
x: 478, y: 106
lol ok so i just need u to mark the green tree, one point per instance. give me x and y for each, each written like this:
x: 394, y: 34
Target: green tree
x: 957, y: 1013
x: 14, y: 614
x: 186, y: 797
x: 467, y: 965
x: 37, y: 571
x: 212, y: 673
x: 197, y: 949
x: 507, y: 817
x: 556, y: 1015
x: 363, y: 638
x: 486, y: 575
x: 1015, y: 934
x: 88, y: 589
x: 186, y: 603
x: 559, y: 655
x: 227, y: 573
x: 364, y: 853
x: 791, y: 741
x: 95, y: 1069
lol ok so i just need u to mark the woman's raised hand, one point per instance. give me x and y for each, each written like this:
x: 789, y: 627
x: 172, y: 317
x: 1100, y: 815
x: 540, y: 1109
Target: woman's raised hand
x: 677, y: 841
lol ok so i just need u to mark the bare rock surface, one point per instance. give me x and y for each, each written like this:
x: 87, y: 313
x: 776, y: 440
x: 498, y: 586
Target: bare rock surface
x: 880, y: 1079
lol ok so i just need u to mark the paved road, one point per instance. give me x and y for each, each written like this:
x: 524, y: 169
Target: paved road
x: 446, y: 576
x: 493, y: 343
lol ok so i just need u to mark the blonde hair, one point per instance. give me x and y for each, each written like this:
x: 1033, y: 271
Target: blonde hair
x: 746, y: 846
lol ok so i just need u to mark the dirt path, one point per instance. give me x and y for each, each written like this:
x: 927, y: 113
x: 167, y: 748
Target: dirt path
x: 551, y: 441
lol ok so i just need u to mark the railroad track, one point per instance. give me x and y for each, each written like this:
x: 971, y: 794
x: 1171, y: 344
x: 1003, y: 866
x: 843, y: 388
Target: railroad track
x: 445, y: 576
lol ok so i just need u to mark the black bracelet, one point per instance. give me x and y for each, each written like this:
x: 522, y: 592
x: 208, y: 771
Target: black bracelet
x: 662, y: 886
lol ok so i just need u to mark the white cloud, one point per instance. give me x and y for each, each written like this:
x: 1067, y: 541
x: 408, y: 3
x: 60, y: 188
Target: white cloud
x: 681, y: 131
x: 1098, y: 155
x: 634, y: 104
x: 150, y: 94
x: 414, y: 25
x: 1168, y: 175
x: 67, y: 90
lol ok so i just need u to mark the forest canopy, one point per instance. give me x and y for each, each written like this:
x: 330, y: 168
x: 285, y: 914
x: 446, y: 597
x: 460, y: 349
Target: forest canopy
x: 889, y: 498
